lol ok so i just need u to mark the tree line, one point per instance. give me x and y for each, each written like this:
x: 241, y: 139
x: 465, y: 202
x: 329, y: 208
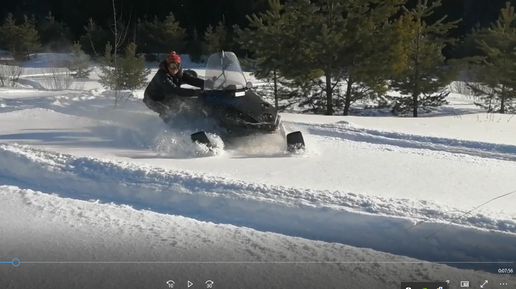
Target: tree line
x: 199, y: 14
x: 319, y: 55
x: 325, y: 60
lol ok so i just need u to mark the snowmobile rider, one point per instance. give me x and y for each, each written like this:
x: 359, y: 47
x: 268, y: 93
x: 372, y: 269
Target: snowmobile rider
x: 164, y: 89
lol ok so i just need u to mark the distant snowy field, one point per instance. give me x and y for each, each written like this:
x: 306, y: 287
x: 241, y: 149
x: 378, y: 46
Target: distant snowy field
x: 76, y: 172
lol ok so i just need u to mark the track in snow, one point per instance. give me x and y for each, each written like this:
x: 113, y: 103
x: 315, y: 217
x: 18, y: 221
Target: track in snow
x: 328, y: 216
x: 345, y: 131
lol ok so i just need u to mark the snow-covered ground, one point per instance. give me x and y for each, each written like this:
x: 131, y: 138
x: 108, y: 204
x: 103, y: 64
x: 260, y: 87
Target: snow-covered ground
x: 372, y: 202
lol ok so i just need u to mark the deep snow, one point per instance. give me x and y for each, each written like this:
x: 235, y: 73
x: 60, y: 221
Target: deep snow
x: 84, y: 182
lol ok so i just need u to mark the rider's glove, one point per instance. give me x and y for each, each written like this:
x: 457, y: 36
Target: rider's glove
x: 208, y: 83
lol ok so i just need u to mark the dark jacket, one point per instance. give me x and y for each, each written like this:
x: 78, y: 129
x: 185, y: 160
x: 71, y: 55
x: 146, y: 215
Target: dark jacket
x: 164, y: 86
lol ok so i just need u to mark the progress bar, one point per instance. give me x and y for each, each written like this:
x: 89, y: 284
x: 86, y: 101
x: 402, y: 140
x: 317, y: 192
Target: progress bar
x: 15, y: 262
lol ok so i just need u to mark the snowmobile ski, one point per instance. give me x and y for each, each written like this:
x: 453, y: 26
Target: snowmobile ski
x: 202, y: 138
x: 295, y: 141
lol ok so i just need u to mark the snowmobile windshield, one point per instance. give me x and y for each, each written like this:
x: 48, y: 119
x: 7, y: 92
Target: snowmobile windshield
x: 223, y: 72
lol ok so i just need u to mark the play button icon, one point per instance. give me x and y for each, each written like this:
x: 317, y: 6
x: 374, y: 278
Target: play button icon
x: 189, y: 283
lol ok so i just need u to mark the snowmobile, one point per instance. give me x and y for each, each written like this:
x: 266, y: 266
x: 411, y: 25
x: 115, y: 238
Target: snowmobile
x: 239, y: 111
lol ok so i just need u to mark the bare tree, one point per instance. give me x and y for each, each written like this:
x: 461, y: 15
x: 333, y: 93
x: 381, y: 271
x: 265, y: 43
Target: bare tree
x: 57, y: 76
x: 10, y: 74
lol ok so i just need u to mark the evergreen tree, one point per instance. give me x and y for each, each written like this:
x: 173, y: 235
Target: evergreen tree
x: 133, y: 71
x: 19, y: 39
x: 173, y: 34
x: 79, y: 63
x: 264, y: 38
x: 112, y: 74
x: 30, y: 36
x: 426, y: 76
x: 495, y: 75
x: 323, y: 37
x: 310, y: 40
x: 144, y: 38
x: 95, y: 38
x: 9, y: 39
x: 216, y: 38
x: 160, y: 36
x: 54, y: 34
x: 128, y: 73
x: 196, y: 47
x: 378, y: 55
x: 109, y: 77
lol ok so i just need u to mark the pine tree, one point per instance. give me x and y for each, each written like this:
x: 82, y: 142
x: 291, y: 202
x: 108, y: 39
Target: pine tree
x: 196, y: 47
x: 30, y: 36
x: 323, y: 36
x: 318, y: 39
x: 173, y: 34
x: 426, y: 77
x: 377, y: 56
x: 19, y: 39
x: 141, y: 37
x: 94, y: 39
x: 495, y: 75
x: 9, y: 40
x: 155, y: 36
x: 133, y: 72
x: 128, y: 73
x: 110, y: 74
x: 216, y: 38
x: 54, y: 34
x: 384, y: 57
x: 79, y: 63
x: 265, y: 39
